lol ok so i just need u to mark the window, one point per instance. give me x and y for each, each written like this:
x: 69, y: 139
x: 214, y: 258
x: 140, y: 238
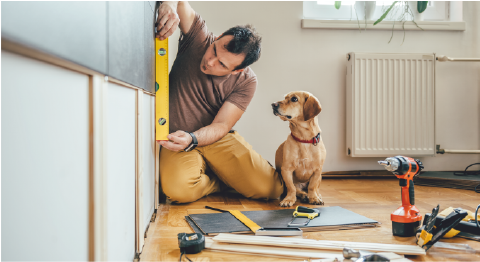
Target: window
x: 325, y: 10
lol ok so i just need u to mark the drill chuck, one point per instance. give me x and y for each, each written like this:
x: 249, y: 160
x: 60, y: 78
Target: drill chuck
x: 391, y: 164
x: 400, y: 165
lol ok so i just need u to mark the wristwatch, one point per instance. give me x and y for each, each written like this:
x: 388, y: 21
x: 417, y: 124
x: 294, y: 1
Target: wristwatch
x: 193, y: 144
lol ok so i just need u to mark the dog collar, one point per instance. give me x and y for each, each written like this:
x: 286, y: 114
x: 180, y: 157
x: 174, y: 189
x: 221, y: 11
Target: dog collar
x: 313, y: 141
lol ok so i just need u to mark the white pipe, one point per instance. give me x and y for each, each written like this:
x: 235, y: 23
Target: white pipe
x: 449, y: 151
x: 443, y: 58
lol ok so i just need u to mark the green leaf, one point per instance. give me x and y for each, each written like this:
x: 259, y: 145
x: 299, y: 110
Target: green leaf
x: 421, y: 6
x: 385, y: 14
x: 337, y: 4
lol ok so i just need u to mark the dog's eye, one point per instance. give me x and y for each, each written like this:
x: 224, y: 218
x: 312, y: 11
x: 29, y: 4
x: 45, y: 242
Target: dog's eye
x: 294, y: 99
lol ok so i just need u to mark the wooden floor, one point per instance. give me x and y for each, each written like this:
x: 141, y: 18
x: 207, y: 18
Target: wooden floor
x: 373, y: 198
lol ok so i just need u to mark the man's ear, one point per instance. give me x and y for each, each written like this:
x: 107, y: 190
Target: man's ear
x: 311, y: 108
x: 234, y: 72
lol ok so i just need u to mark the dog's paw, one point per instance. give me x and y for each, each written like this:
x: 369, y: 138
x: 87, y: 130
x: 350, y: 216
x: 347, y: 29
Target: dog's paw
x: 288, y: 201
x: 316, y: 200
x: 304, y: 199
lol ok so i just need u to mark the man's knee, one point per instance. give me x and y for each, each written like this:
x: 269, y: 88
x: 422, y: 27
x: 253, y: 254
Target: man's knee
x: 179, y: 195
x: 179, y: 191
x: 179, y: 181
x: 186, y: 189
x: 257, y: 190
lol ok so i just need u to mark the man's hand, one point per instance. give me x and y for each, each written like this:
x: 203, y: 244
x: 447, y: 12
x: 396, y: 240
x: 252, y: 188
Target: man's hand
x: 178, y: 140
x: 167, y: 20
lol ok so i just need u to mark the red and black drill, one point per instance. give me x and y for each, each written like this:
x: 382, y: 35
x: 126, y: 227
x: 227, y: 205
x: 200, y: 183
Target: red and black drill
x: 406, y: 219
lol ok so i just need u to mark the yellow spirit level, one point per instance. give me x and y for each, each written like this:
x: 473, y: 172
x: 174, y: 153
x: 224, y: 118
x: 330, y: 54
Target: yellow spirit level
x: 161, y: 90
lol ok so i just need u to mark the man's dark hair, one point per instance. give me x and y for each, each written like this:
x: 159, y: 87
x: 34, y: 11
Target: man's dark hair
x: 245, y: 40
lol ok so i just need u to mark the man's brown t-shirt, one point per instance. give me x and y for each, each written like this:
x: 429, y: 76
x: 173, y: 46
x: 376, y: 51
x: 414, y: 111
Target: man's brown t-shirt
x: 196, y: 98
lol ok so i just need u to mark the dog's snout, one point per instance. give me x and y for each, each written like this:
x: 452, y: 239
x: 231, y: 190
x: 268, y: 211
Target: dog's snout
x: 275, y: 105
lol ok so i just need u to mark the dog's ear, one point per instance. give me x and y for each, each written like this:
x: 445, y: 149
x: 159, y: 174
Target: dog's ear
x: 311, y: 108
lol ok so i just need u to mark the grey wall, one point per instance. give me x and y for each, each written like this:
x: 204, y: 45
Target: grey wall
x: 112, y: 38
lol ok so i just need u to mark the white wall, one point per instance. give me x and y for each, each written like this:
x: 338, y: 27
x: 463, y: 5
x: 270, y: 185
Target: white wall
x: 314, y: 60
x: 44, y: 161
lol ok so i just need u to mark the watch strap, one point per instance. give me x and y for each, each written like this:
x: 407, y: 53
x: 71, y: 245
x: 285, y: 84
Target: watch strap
x: 193, y: 144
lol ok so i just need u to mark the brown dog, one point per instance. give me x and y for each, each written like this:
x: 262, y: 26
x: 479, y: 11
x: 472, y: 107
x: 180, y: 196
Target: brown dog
x: 300, y: 158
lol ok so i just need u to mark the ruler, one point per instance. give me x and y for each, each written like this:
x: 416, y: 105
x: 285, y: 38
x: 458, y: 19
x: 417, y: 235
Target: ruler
x: 161, y: 90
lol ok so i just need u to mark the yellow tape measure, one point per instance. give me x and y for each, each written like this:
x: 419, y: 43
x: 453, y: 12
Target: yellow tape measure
x: 161, y: 90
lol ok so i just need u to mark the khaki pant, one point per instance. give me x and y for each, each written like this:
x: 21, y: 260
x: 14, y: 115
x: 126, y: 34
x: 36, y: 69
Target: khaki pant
x: 188, y: 176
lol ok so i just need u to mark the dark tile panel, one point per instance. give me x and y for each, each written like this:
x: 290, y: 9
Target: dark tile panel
x: 74, y: 31
x: 149, y: 51
x: 126, y: 42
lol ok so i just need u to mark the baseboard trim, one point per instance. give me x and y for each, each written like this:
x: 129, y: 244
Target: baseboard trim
x: 358, y: 174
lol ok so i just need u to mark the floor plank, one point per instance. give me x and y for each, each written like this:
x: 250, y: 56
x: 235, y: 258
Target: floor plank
x: 375, y: 198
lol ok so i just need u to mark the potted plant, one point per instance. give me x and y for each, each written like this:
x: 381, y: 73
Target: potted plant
x: 364, y: 10
x: 403, y: 12
x: 338, y: 4
x: 418, y: 7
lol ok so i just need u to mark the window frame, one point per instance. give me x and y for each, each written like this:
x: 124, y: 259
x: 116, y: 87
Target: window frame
x: 452, y: 10
x: 436, y: 11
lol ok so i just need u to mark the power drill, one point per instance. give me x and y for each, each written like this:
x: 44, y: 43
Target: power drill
x: 406, y: 219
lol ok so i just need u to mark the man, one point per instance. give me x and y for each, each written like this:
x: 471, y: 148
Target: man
x: 211, y: 86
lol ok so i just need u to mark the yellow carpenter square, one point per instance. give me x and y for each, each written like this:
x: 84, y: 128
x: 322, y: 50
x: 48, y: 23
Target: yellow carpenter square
x: 161, y: 90
x: 245, y: 220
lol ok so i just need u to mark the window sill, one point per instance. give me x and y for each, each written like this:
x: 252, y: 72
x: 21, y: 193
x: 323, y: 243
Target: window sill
x: 385, y: 25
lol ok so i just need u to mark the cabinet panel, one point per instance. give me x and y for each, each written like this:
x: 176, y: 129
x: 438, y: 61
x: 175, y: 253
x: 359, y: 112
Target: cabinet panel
x: 121, y: 173
x: 45, y: 161
x: 148, y: 158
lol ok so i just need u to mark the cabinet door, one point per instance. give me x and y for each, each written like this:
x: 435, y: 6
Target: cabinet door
x: 148, y: 158
x: 45, y: 161
x: 121, y: 173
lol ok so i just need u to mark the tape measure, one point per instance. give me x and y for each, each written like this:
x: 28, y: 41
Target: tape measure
x: 191, y: 243
x: 161, y: 90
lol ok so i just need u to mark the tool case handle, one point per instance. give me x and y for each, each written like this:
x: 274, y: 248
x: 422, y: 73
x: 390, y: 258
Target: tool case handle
x: 302, y: 209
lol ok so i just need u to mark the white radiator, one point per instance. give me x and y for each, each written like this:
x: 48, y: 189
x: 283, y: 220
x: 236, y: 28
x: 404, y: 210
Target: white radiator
x: 390, y: 104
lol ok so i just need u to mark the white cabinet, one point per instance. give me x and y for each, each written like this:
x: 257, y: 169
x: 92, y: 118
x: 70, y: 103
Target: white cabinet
x: 121, y: 172
x: 78, y: 162
x: 45, y: 161
x: 148, y: 158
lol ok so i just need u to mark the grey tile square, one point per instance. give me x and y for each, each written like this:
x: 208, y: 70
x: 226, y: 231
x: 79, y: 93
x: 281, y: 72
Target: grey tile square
x: 149, y: 51
x: 126, y: 58
x: 75, y: 31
